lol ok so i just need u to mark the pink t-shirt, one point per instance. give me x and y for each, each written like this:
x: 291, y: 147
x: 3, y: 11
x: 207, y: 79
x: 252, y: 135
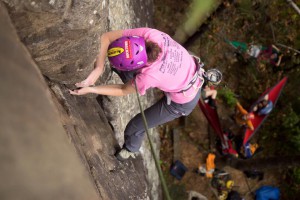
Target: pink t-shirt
x: 171, y: 72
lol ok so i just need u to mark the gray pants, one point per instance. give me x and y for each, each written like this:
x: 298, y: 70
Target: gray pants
x: 157, y: 114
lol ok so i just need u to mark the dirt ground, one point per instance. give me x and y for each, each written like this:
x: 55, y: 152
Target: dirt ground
x: 194, y: 146
x: 196, y: 137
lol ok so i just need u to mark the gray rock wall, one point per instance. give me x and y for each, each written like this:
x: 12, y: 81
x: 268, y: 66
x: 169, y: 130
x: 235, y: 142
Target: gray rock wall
x: 131, y: 14
x: 37, y: 160
x: 63, y: 39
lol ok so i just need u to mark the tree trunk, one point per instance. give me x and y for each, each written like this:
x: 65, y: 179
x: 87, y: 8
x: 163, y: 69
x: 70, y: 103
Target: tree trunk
x: 198, y: 12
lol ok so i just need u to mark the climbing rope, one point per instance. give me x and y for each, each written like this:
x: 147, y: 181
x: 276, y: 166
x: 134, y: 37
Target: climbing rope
x: 160, y: 174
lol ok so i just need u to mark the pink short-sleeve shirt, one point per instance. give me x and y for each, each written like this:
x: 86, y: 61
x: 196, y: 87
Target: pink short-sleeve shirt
x: 171, y: 72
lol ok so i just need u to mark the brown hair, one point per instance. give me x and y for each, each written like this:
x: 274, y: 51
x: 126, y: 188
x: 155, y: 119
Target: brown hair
x: 153, y: 50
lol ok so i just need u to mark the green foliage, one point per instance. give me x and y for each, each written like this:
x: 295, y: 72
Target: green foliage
x: 177, y: 192
x: 296, y: 140
x: 296, y: 175
x: 245, y: 5
x: 297, y: 42
x: 290, y: 119
x: 228, y: 96
x: 291, y: 184
x: 291, y: 125
x: 288, y: 133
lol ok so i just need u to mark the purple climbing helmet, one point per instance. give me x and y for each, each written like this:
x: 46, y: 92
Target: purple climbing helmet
x: 127, y: 53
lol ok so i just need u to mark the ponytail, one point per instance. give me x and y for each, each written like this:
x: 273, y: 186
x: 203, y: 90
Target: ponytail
x: 153, y: 51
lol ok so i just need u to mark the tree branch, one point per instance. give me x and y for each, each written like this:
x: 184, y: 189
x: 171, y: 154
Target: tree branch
x: 291, y: 2
x: 273, y: 34
x: 282, y: 45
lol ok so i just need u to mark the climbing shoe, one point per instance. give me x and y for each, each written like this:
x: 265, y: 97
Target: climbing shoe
x: 124, y: 154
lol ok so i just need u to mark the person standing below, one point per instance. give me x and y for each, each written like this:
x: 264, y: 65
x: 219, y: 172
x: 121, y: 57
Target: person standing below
x: 209, y: 93
x: 146, y: 58
x: 271, y: 55
x: 243, y: 117
x: 264, y: 106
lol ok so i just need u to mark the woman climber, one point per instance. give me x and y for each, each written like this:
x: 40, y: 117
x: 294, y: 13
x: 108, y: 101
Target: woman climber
x: 147, y: 58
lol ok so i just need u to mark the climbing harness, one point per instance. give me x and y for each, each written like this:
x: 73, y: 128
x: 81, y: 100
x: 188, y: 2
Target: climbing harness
x: 198, y: 74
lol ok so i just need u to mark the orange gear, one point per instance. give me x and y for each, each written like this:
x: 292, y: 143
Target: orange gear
x: 253, y: 148
x: 210, y: 165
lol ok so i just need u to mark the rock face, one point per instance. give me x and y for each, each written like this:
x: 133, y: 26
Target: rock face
x: 63, y: 39
x: 37, y: 160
